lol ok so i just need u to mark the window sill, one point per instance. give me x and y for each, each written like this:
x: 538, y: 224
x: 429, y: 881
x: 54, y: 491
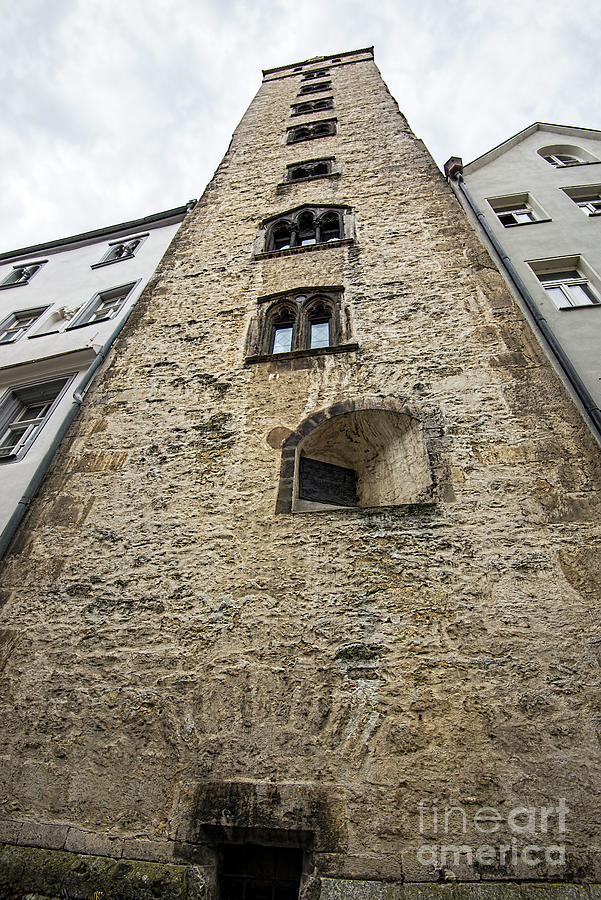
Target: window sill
x: 311, y: 137
x: 111, y: 262
x: 6, y: 287
x: 291, y: 251
x: 84, y: 324
x: 287, y: 184
x: 311, y: 112
x: 298, y: 354
x: 404, y: 509
x: 580, y: 306
x: 588, y: 162
x: 521, y: 224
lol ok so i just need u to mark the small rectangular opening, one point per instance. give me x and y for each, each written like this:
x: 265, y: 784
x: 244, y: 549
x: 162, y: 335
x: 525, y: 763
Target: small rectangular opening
x: 325, y: 482
x: 254, y: 872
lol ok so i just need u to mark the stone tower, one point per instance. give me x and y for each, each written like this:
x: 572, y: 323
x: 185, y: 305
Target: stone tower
x: 309, y: 601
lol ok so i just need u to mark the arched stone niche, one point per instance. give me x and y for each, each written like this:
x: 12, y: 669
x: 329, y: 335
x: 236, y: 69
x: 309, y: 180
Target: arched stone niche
x: 368, y: 453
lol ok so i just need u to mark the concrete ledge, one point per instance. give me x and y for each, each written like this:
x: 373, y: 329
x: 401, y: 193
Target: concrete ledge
x: 341, y: 889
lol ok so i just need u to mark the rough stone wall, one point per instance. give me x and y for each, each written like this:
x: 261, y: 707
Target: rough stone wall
x: 179, y: 660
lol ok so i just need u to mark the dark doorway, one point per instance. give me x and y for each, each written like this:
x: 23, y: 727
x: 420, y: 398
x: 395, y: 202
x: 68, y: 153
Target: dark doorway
x: 252, y: 872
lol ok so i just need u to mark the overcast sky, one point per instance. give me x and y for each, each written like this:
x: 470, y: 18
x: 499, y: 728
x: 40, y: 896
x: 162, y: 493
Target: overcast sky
x: 115, y: 109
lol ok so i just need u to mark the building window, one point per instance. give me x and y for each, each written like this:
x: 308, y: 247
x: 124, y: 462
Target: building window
x: 305, y: 227
x: 16, y: 324
x: 568, y: 288
x: 24, y: 411
x: 562, y: 159
x: 591, y: 206
x: 588, y: 198
x: 356, y: 454
x: 282, y: 322
x: 518, y: 209
x: 300, y: 321
x: 562, y: 155
x: 253, y: 872
x: 104, y: 305
x: 311, y: 131
x: 21, y: 274
x: 312, y: 106
x: 120, y: 250
x: 316, y: 73
x: 316, y: 168
x: 315, y: 88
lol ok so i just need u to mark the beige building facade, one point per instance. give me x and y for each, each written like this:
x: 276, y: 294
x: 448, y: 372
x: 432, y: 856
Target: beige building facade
x: 308, y: 604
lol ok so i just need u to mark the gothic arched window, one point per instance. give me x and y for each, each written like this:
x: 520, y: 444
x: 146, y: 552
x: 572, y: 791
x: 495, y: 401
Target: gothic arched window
x: 330, y: 227
x: 282, y: 236
x: 306, y: 226
x: 281, y: 327
x: 307, y: 233
x: 319, y: 320
x: 312, y: 169
x: 310, y: 131
x: 300, y: 321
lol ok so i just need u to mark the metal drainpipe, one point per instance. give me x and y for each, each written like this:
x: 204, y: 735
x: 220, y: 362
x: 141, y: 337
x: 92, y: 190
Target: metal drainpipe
x: 572, y: 375
x: 40, y: 472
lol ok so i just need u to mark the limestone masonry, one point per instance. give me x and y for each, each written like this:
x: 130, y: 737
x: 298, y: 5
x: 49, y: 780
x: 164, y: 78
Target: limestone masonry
x: 317, y: 567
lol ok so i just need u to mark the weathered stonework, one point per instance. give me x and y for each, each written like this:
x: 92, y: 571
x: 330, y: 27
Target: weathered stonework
x: 183, y: 661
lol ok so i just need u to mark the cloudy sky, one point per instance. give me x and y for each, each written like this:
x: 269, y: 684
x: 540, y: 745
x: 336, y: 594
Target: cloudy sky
x: 114, y: 109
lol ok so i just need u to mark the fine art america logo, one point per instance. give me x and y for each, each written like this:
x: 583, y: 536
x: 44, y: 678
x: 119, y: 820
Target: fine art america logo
x: 531, y: 829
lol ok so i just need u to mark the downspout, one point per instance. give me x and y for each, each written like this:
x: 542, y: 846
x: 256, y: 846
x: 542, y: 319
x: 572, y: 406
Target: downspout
x: 40, y: 472
x: 454, y: 171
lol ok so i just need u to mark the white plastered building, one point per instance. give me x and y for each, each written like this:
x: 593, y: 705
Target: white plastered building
x: 62, y: 303
x: 538, y: 195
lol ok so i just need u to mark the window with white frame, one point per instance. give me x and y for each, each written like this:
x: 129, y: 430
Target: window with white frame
x: 562, y: 155
x: 21, y: 274
x: 120, y: 250
x: 16, y: 324
x: 591, y: 206
x: 562, y: 159
x: 568, y: 288
x: 23, y: 412
x: 104, y: 305
x: 587, y: 198
x: 517, y: 209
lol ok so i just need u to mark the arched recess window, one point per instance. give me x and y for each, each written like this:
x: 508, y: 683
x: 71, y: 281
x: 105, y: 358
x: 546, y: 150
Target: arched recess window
x: 330, y: 227
x: 307, y: 234
x: 281, y: 328
x: 282, y: 236
x: 319, y: 321
x: 561, y: 155
x: 357, y: 454
x: 305, y: 320
x: 305, y: 226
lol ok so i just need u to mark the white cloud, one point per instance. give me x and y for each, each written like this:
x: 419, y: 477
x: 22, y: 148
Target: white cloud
x: 113, y: 110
